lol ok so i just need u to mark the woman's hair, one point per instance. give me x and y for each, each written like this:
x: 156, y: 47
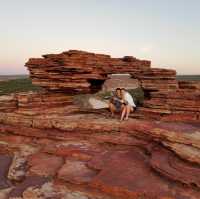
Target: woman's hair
x: 123, y: 89
x: 118, y: 93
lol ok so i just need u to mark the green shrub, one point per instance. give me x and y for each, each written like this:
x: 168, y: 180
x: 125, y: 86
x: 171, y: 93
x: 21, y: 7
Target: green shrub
x: 17, y: 85
x: 138, y: 95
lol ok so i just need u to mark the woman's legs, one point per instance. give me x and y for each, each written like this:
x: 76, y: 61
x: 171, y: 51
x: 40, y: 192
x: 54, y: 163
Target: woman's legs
x: 124, y: 110
x: 128, y: 110
x: 112, y: 109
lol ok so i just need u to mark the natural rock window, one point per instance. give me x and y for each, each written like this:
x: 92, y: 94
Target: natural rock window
x: 96, y: 85
x: 124, y: 81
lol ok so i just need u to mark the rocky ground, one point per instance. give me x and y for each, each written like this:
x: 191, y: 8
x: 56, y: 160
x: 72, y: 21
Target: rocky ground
x: 92, y: 156
x: 53, y: 148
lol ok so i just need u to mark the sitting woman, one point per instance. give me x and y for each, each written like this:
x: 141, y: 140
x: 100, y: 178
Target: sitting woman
x: 116, y: 102
x: 129, y: 104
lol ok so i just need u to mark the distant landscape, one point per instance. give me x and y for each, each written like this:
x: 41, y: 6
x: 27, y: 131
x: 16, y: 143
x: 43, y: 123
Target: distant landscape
x: 16, y: 83
x: 22, y: 83
x: 9, y: 77
x: 179, y: 77
x: 189, y: 77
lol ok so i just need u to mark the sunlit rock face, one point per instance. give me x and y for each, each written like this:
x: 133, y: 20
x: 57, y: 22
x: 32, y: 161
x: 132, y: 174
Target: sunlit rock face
x: 75, y: 72
x: 79, y: 71
x: 55, y: 144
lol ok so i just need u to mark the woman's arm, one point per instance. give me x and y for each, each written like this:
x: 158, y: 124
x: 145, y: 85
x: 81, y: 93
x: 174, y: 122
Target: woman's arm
x: 123, y: 97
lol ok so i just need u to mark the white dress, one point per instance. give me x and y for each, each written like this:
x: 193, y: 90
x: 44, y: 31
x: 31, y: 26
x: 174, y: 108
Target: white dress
x: 129, y: 99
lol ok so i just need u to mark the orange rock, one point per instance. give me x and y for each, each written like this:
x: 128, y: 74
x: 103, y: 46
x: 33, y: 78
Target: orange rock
x: 43, y: 164
x: 76, y: 172
x: 127, y: 174
x: 169, y: 165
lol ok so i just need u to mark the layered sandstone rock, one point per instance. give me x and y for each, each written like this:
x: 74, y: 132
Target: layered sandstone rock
x: 51, y: 147
x: 90, y: 153
x: 182, y: 104
x: 79, y: 71
x: 154, y: 79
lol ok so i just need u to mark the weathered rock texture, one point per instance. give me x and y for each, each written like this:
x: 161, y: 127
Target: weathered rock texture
x: 82, y: 72
x: 79, y: 71
x: 52, y: 148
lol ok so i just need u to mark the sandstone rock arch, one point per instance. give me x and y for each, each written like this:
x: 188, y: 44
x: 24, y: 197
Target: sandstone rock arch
x: 75, y: 72
x: 58, y: 140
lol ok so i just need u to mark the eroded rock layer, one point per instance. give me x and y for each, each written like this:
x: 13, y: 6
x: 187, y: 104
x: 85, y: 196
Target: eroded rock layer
x: 101, y: 158
x: 51, y: 147
x: 182, y: 104
x: 79, y: 71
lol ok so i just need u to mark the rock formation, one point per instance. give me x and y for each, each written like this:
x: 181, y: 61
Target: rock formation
x: 50, y: 147
x: 79, y: 71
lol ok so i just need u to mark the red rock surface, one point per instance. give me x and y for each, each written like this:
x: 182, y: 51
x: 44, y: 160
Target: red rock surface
x: 32, y: 181
x: 169, y: 165
x: 182, y: 104
x: 5, y: 162
x: 77, y: 70
x: 127, y: 174
x: 52, y: 148
x: 109, y: 161
x: 76, y: 172
x: 44, y: 164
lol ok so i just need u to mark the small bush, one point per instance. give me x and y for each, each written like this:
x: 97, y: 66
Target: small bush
x: 17, y: 85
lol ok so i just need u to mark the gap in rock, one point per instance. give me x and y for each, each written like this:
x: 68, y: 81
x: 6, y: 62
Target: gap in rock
x: 125, y: 80
x: 96, y: 84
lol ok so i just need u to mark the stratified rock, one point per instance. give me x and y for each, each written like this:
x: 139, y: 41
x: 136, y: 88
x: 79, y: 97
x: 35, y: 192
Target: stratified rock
x: 157, y: 79
x: 63, y: 143
x: 181, y: 104
x: 79, y: 71
x: 76, y: 172
x: 75, y: 72
x: 8, y: 103
x: 169, y: 165
x: 192, y: 85
x: 44, y: 164
x: 76, y: 149
x: 187, y: 152
x: 127, y: 174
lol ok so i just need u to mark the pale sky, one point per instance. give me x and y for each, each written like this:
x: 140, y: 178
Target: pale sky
x: 167, y: 32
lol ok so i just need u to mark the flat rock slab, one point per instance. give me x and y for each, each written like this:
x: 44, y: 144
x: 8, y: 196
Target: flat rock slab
x: 5, y: 162
x: 78, y: 149
x: 43, y: 164
x: 169, y: 165
x: 164, y: 131
x: 127, y: 174
x: 76, y: 172
x: 97, y: 103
